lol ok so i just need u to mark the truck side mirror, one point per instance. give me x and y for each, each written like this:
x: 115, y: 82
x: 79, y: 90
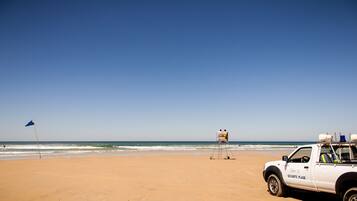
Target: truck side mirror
x: 285, y: 158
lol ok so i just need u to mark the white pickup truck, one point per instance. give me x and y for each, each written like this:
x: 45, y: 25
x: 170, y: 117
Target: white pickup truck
x: 321, y: 167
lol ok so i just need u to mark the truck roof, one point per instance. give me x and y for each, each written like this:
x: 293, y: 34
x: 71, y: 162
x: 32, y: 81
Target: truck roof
x: 333, y: 144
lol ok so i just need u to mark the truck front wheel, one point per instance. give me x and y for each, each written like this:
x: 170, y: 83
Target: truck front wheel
x: 350, y: 195
x: 275, y: 186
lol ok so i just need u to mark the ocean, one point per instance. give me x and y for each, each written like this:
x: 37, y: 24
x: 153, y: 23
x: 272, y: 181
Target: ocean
x: 30, y: 148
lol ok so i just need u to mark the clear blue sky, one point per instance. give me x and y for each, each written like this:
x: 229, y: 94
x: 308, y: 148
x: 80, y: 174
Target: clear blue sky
x: 177, y: 70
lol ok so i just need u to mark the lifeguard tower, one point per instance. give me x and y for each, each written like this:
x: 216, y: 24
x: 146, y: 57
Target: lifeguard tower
x: 221, y: 151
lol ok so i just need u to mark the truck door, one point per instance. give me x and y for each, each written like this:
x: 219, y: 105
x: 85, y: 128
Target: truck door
x: 298, y: 169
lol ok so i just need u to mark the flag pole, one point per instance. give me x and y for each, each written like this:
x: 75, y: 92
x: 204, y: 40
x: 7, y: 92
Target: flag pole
x: 38, y: 142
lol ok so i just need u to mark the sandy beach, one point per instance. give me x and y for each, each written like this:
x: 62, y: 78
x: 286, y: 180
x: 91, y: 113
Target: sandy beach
x: 179, y: 176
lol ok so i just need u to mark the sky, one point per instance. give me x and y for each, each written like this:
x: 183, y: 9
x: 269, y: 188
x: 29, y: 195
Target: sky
x: 177, y: 70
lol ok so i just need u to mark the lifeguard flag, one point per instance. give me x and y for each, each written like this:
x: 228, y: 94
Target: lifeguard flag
x: 30, y: 123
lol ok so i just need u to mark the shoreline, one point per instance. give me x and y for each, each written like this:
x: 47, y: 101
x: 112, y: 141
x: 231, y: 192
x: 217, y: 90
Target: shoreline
x: 142, y: 153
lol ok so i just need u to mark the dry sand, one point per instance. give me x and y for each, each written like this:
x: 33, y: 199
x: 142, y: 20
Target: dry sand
x: 156, y: 177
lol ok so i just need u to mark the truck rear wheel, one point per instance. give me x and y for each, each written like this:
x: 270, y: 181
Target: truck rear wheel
x: 350, y: 195
x: 275, y: 186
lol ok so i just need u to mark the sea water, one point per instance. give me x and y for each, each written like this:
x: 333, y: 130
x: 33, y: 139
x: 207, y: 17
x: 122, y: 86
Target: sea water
x: 30, y: 148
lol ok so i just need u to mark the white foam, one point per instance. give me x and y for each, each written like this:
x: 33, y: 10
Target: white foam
x: 49, y: 147
x: 156, y: 148
x: 22, y: 150
x: 206, y: 147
